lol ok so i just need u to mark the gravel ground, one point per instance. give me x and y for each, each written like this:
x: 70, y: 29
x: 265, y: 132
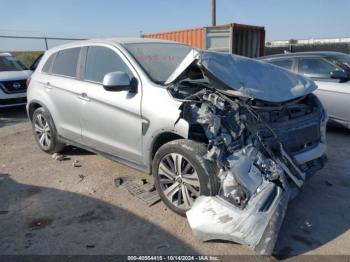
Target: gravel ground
x: 52, y: 207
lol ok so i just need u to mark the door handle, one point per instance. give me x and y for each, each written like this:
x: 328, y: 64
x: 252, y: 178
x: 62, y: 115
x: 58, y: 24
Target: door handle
x: 84, y: 97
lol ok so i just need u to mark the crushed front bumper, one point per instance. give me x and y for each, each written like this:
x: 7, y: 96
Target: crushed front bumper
x: 258, y: 223
x: 256, y: 226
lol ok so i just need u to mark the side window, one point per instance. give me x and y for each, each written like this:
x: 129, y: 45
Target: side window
x: 47, y: 66
x: 285, y: 63
x: 66, y: 62
x: 101, y: 61
x: 316, y: 67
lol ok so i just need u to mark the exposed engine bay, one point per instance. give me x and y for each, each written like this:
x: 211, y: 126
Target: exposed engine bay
x: 259, y: 148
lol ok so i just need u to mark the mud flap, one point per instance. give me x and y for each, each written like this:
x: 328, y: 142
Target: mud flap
x: 257, y: 225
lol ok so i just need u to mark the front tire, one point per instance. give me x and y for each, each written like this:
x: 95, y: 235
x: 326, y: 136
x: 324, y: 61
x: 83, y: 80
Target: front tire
x: 181, y: 174
x: 45, y: 132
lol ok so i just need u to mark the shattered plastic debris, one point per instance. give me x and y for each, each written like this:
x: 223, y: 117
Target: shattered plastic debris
x: 59, y: 157
x: 140, y: 182
x: 118, y: 181
x: 76, y: 163
x: 82, y: 177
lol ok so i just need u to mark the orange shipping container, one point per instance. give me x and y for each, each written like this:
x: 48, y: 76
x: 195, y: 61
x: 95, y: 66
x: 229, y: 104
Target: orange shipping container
x: 245, y: 40
x: 193, y: 37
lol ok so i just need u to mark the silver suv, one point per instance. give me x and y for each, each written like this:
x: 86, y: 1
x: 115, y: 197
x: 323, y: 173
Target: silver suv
x: 224, y: 136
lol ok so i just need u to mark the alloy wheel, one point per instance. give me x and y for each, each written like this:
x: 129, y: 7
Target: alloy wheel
x: 178, y: 180
x: 42, y: 131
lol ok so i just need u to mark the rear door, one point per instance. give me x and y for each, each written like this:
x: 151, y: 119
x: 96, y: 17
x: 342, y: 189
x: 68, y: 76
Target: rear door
x: 63, y: 88
x: 334, y: 95
x: 111, y: 121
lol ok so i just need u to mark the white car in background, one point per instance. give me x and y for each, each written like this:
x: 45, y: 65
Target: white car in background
x: 13, y: 78
x: 331, y: 73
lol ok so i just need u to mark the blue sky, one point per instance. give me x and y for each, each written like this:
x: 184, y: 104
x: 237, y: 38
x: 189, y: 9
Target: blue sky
x: 283, y: 19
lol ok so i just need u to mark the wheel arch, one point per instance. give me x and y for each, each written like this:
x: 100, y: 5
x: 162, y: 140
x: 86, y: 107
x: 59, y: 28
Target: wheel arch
x: 35, y: 104
x: 161, y: 139
x: 32, y: 106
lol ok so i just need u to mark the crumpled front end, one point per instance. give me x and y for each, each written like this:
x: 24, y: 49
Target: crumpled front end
x: 255, y: 146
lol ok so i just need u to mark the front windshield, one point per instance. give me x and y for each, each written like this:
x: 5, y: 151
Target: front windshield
x: 11, y: 63
x: 159, y: 60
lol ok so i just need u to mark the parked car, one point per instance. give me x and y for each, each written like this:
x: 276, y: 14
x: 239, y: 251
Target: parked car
x: 330, y: 71
x: 13, y: 78
x: 226, y: 138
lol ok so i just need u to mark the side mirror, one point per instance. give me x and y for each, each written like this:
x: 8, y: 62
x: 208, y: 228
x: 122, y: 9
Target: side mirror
x: 341, y: 75
x: 119, y: 81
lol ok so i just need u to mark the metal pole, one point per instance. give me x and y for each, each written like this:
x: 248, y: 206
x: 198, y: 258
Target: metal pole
x: 46, y: 43
x: 213, y: 12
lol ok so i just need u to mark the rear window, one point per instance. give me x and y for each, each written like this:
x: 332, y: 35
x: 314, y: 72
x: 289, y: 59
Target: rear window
x: 66, y: 62
x: 47, y: 66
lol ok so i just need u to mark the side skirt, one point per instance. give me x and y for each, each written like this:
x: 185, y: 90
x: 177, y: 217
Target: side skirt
x: 142, y: 168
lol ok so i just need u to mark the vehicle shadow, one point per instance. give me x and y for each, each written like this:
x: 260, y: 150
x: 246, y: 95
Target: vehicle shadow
x: 38, y: 220
x: 75, y: 151
x: 320, y: 213
x: 11, y: 116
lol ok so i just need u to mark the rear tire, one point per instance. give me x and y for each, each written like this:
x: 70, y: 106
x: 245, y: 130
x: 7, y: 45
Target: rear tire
x: 45, y: 131
x: 181, y: 174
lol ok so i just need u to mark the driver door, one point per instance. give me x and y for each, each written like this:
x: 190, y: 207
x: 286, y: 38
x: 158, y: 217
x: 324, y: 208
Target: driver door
x: 111, y: 121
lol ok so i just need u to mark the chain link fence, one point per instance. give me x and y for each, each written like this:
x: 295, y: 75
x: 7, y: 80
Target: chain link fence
x: 31, y: 43
x: 28, y: 48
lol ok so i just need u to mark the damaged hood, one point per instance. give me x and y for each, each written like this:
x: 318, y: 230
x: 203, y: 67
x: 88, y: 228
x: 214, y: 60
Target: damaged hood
x: 241, y: 76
